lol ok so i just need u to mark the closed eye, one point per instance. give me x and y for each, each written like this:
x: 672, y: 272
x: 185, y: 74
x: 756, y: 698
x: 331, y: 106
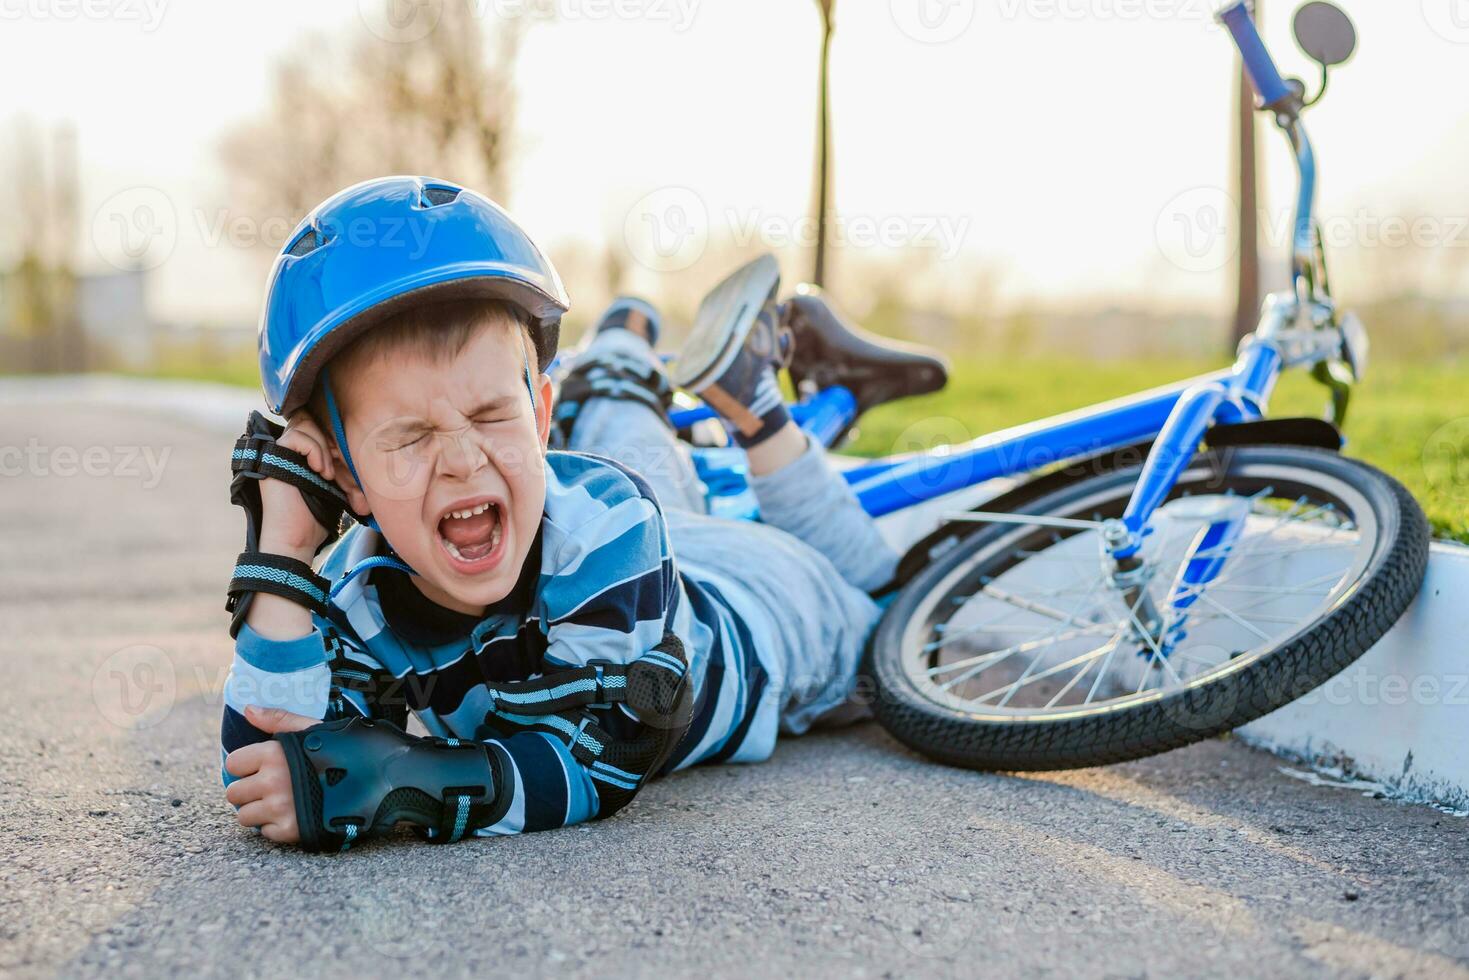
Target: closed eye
x: 496, y: 409
x: 409, y: 441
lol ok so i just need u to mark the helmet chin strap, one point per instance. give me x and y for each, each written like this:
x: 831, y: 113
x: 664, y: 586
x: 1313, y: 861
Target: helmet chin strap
x: 530, y: 386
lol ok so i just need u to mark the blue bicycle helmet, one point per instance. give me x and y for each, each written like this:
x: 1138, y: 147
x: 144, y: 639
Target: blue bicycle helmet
x: 379, y: 247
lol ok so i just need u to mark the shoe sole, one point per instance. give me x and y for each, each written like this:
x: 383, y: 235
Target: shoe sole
x: 722, y: 324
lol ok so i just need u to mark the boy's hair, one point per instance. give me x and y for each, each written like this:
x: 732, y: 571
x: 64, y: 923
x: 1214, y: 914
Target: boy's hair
x: 435, y: 331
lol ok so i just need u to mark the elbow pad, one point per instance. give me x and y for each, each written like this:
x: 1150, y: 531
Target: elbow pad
x: 357, y: 778
x: 656, y: 687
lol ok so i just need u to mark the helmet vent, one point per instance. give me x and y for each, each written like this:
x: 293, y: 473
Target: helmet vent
x: 309, y: 242
x: 434, y: 196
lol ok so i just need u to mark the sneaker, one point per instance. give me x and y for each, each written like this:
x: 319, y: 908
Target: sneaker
x: 734, y: 351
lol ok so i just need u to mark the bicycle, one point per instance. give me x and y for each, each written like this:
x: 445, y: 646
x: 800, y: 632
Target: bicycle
x: 1176, y: 564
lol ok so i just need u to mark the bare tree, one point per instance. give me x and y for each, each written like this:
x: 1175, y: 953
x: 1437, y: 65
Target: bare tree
x: 38, y: 248
x: 440, y: 104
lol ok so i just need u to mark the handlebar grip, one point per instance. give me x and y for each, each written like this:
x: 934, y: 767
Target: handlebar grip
x: 1258, y: 63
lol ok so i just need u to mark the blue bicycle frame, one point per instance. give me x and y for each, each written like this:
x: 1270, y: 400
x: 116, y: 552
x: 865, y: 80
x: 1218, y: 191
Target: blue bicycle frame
x: 1174, y: 418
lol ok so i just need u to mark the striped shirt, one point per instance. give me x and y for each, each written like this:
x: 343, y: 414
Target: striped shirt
x: 599, y: 584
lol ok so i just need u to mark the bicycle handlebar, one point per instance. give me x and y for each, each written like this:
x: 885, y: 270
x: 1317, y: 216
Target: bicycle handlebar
x: 1269, y: 85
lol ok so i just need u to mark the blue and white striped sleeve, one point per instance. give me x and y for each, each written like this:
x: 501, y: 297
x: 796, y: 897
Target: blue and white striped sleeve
x: 548, y: 788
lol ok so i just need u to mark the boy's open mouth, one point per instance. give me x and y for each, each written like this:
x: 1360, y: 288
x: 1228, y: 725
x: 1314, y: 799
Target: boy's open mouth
x: 472, y: 535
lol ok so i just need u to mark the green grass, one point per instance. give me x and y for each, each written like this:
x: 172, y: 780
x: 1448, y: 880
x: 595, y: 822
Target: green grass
x: 231, y: 370
x: 1411, y: 420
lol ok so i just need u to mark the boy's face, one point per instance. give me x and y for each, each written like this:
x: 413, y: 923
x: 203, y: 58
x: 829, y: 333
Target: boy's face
x: 450, y: 454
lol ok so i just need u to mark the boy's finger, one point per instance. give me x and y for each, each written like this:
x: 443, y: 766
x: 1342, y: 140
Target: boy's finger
x: 322, y: 460
x: 317, y: 456
x: 243, y: 791
x: 246, y: 760
x: 256, y: 814
x: 312, y: 446
x: 274, y: 720
x: 281, y: 833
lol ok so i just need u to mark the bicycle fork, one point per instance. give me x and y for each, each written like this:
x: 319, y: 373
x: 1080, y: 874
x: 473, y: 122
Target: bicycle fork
x: 1237, y: 398
x: 1160, y: 630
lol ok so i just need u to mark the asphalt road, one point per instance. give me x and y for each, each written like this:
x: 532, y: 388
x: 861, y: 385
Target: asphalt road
x: 843, y: 856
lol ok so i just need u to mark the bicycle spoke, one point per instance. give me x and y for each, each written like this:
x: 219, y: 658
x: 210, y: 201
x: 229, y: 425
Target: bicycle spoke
x: 1111, y: 644
x: 1237, y: 619
x: 1026, y: 673
x: 1265, y: 597
x: 1234, y: 572
x: 1106, y: 663
x: 989, y: 660
x: 1048, y: 672
x: 978, y: 663
x: 997, y: 628
x: 1004, y: 595
x: 1226, y: 553
x: 1274, y: 591
x: 1254, y: 618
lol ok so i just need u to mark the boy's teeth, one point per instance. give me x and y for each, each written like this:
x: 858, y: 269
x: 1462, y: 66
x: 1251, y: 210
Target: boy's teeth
x: 481, y: 551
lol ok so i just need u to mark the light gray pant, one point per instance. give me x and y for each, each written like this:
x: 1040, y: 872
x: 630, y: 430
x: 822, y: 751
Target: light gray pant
x: 807, y: 571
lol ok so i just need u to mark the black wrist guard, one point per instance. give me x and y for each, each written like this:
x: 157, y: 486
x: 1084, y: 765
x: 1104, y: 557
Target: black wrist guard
x: 258, y: 571
x: 256, y: 457
x: 355, y: 778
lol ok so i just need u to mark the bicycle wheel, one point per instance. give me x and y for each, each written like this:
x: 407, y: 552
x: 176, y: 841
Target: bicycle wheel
x: 1015, y: 651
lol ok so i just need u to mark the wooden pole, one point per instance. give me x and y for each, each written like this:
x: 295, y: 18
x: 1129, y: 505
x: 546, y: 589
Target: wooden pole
x: 1247, y: 275
x: 823, y: 146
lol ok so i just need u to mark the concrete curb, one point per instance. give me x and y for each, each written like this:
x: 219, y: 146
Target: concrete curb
x: 1398, y: 717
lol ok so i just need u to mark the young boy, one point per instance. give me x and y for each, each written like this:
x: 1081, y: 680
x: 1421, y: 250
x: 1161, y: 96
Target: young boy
x: 565, y: 625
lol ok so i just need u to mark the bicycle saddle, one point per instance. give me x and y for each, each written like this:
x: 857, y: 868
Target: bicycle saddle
x: 831, y: 350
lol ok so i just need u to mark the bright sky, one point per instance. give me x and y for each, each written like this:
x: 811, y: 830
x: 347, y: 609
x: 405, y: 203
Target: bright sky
x: 1068, y: 144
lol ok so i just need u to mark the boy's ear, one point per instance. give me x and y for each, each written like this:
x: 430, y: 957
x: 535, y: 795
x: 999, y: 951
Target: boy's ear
x: 356, y: 499
x: 543, y: 409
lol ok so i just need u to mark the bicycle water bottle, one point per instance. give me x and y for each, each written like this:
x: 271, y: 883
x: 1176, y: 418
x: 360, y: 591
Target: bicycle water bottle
x: 725, y: 472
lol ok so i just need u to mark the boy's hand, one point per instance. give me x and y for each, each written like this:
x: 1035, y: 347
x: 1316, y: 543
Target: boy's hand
x: 262, y: 789
x: 288, y: 528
